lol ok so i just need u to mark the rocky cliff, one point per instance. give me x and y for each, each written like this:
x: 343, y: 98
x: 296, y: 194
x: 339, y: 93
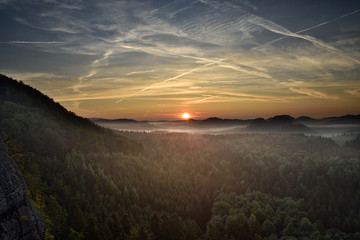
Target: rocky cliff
x: 19, y: 219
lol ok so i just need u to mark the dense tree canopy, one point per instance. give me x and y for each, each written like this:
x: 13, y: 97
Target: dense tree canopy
x: 93, y: 183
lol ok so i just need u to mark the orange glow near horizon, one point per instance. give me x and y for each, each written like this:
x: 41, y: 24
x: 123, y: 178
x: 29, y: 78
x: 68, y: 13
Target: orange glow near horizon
x: 162, y: 60
x: 185, y: 115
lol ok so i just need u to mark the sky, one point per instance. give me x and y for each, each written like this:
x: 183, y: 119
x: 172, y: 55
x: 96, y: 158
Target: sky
x: 156, y: 59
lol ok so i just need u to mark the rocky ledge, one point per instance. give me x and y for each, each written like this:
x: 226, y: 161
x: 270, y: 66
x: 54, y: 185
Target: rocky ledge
x: 19, y: 219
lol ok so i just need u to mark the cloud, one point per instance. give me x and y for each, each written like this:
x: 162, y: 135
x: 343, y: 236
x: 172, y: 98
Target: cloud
x: 276, y: 28
x: 202, y: 100
x: 31, y: 42
x: 235, y: 98
x: 193, y: 52
x: 163, y: 83
x: 180, y: 75
x: 52, y: 23
x: 273, y: 27
x: 94, y: 69
x: 140, y: 72
x: 354, y: 92
x: 316, y: 26
x: 29, y: 76
x: 5, y: 1
x: 247, y: 69
x: 313, y: 93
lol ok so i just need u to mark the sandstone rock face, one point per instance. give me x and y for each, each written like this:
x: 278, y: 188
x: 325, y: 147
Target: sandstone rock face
x: 19, y: 219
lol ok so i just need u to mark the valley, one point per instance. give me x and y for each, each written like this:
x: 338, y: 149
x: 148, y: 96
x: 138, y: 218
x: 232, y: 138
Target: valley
x: 89, y: 182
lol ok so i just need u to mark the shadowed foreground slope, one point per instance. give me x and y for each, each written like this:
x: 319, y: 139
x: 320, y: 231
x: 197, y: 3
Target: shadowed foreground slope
x: 48, y: 143
x: 91, y: 183
x: 19, y: 219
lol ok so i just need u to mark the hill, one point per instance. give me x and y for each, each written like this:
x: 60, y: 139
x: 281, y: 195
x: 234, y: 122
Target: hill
x: 346, y: 119
x: 91, y: 183
x: 15, y: 206
x: 26, y: 112
x: 41, y: 136
x: 280, y: 124
x: 124, y: 124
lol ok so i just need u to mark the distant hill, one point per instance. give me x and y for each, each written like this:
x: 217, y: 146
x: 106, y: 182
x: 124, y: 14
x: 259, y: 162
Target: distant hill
x: 215, y: 120
x: 120, y: 120
x: 341, y: 120
x: 281, y: 123
x: 307, y: 120
x: 124, y: 124
x: 346, y: 119
x: 169, y: 125
x: 273, y: 121
x: 93, y: 183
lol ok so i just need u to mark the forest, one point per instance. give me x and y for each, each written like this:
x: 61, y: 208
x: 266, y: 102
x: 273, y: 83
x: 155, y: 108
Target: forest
x: 89, y: 182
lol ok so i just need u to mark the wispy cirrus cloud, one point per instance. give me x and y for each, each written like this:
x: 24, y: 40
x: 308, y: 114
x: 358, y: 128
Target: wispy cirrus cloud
x: 313, y: 93
x: 316, y: 26
x: 191, y: 51
x: 273, y: 27
x: 235, y: 97
x: 354, y: 92
x: 32, y: 42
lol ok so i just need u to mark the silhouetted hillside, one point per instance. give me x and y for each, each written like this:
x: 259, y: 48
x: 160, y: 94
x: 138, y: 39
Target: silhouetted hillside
x: 48, y: 144
x: 26, y: 112
x: 124, y: 124
x: 219, y: 121
x: 214, y: 125
x: 90, y: 183
x: 346, y: 119
x: 122, y: 120
x: 19, y: 93
x: 307, y: 120
x: 282, y: 123
x: 281, y: 120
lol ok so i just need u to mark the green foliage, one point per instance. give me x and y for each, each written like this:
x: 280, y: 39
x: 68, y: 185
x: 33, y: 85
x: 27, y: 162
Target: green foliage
x: 220, y: 208
x: 268, y: 227
x: 236, y: 225
x: 75, y: 235
x: 92, y: 183
x: 354, y: 143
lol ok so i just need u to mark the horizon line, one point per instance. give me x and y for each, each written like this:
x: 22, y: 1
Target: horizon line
x: 206, y: 118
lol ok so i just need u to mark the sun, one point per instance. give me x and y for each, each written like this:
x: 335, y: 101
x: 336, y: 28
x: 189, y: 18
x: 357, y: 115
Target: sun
x: 185, y: 115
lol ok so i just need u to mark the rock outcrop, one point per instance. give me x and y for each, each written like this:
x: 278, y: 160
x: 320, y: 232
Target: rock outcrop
x: 19, y: 219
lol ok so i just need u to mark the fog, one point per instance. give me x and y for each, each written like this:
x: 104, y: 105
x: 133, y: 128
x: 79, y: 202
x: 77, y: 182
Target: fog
x: 171, y: 126
x: 338, y: 132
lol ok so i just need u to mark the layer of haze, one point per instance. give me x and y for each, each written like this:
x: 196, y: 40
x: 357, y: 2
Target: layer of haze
x: 158, y: 59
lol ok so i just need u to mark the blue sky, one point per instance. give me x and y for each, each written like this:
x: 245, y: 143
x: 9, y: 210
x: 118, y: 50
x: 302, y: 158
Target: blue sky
x: 157, y: 59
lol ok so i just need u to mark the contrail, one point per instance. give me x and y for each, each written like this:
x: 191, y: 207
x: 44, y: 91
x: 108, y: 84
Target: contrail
x: 273, y: 27
x: 316, y: 26
x: 202, y: 99
x: 29, y: 42
x: 330, y: 21
x: 164, y: 6
x: 179, y: 76
x: 276, y: 28
x: 93, y: 71
x: 170, y: 79
x: 313, y: 93
x: 243, y: 70
x: 96, y: 62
